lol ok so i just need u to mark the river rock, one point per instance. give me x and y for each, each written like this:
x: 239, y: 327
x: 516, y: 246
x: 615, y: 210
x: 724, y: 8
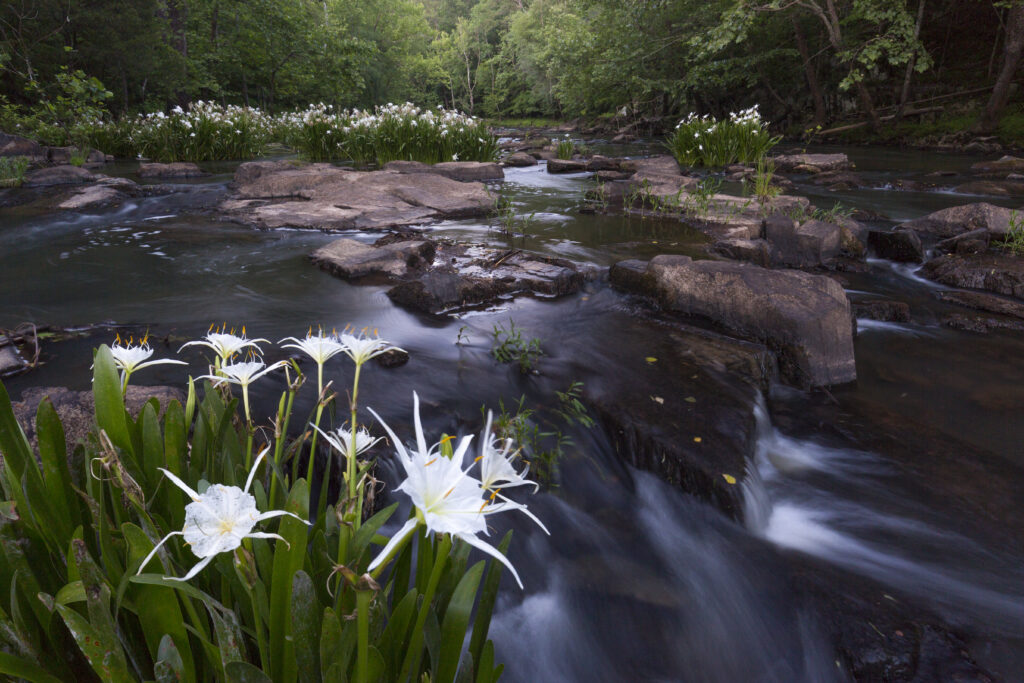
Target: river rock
x: 324, y: 197
x: 93, y: 197
x: 17, y: 146
x: 994, y: 272
x: 64, y: 155
x: 804, y: 318
x: 350, y: 259
x: 883, y: 310
x: 566, y: 165
x: 805, y: 245
x: 900, y: 245
x: 480, y: 275
x: 985, y: 302
x: 756, y: 251
x: 995, y: 188
x: 959, y: 219
x: 980, y: 324
x: 1001, y: 166
x: 75, y: 408
x: 58, y: 175
x: 839, y: 180
x: 520, y: 159
x: 790, y: 163
x: 178, y: 169
x: 11, y: 362
x: 463, y: 171
x: 972, y: 242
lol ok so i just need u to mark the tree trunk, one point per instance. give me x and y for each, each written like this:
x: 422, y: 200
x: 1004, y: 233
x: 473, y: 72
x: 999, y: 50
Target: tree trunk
x: 1013, y: 47
x: 810, y: 73
x: 905, y: 91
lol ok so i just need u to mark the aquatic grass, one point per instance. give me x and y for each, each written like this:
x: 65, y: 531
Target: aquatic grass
x: 706, y: 141
x: 764, y: 190
x: 565, y: 148
x: 12, y: 171
x: 96, y: 591
x: 1013, y: 241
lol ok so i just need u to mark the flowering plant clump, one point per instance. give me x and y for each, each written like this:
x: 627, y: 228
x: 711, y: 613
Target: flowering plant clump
x: 706, y: 141
x: 388, y: 133
x: 205, y: 131
x: 98, y: 591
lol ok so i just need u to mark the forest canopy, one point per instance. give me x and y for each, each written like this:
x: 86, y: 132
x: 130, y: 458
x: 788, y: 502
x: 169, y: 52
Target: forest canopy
x: 803, y: 61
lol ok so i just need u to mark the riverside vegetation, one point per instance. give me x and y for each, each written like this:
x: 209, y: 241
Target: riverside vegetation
x: 99, y: 581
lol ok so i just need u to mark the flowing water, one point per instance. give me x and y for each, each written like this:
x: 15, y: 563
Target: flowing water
x: 638, y: 581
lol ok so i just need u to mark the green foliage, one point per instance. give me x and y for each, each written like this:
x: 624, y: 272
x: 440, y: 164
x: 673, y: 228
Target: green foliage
x: 1013, y: 241
x: 57, y: 109
x: 539, y: 433
x: 836, y: 214
x: 12, y: 171
x: 74, y: 532
x: 705, y: 141
x: 764, y: 190
x: 565, y: 149
x: 509, y: 346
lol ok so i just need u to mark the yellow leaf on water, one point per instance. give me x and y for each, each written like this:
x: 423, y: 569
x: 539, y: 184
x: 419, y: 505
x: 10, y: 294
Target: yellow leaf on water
x: 658, y: 399
x: 729, y: 479
x: 651, y: 359
x: 696, y: 439
x: 690, y: 399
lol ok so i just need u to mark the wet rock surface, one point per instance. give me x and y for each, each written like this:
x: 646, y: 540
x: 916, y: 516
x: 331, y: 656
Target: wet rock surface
x: 993, y: 272
x: 804, y: 318
x: 901, y: 245
x: 985, y: 302
x: 960, y: 219
x: 519, y: 159
x: 463, y: 171
x: 435, y: 277
x: 58, y: 175
x: 324, y: 197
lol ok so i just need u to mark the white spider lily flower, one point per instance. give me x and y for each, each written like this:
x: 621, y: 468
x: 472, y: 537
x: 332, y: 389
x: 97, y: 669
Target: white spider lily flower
x: 217, y: 520
x: 341, y: 439
x: 446, y: 498
x: 497, y: 471
x: 131, y: 357
x: 243, y: 374
x: 226, y: 344
x: 361, y: 348
x: 320, y: 347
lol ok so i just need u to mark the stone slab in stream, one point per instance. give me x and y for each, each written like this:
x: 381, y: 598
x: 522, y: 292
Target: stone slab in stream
x: 59, y: 175
x: 804, y: 318
x: 464, y: 171
x: 811, y: 163
x: 178, y: 169
x: 269, y: 194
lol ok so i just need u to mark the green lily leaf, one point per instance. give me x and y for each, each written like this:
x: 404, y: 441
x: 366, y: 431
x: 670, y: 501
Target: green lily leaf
x: 456, y: 619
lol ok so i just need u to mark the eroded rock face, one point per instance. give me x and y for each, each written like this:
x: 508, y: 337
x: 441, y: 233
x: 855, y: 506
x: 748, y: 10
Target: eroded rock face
x: 959, y: 219
x: 178, y: 169
x: 325, y: 197
x: 75, y: 408
x: 351, y: 259
x: 999, y: 273
x: 811, y: 163
x: 804, y: 318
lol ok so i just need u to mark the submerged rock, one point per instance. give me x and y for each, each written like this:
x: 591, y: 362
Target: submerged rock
x: 995, y: 188
x: 1001, y: 166
x: 883, y: 310
x: 994, y: 272
x: 324, y: 197
x: 959, y: 219
x: 804, y: 318
x: 985, y: 302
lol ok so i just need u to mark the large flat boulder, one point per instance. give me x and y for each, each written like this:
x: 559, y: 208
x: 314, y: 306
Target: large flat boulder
x: 993, y: 272
x: 1001, y: 166
x: 325, y: 197
x: 804, y: 318
x: 464, y: 171
x: 520, y: 159
x: 17, y: 146
x: 959, y: 219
